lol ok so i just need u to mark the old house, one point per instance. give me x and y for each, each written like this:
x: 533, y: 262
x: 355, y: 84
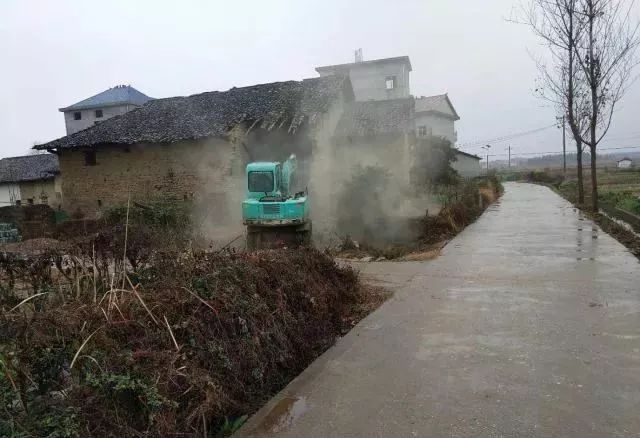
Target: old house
x: 96, y: 109
x: 195, y: 147
x: 377, y: 133
x: 30, y: 180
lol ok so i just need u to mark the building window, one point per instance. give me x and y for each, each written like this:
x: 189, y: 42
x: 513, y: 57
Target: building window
x: 422, y: 131
x: 390, y: 82
x: 99, y: 203
x: 98, y: 114
x: 30, y: 201
x: 90, y: 158
x: 77, y: 115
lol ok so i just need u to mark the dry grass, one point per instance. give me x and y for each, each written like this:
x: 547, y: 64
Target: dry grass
x: 193, y: 339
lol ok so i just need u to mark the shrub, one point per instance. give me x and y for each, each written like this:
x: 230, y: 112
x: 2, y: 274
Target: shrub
x: 195, y: 341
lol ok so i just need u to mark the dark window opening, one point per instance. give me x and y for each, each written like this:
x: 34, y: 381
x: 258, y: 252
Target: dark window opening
x: 77, y: 115
x: 90, y: 158
x: 390, y: 82
x: 99, y: 202
x: 98, y: 114
x: 260, y: 182
x: 422, y: 131
x: 30, y: 201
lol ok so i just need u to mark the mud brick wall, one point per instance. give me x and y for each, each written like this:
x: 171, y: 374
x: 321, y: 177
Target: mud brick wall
x: 190, y: 170
x: 31, y: 220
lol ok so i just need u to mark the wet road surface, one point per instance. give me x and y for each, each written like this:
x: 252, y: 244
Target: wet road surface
x: 527, y: 325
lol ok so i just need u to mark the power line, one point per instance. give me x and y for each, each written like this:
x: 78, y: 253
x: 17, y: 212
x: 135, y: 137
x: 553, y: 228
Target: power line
x: 505, y: 137
x: 559, y: 152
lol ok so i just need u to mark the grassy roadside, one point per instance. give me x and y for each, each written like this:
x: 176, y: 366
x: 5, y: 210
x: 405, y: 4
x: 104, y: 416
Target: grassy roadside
x: 619, y: 232
x: 172, y: 342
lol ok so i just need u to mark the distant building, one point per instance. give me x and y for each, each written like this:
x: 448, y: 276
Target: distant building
x: 467, y: 165
x: 625, y: 163
x: 112, y: 102
x: 436, y: 116
x: 379, y: 79
x: 32, y: 179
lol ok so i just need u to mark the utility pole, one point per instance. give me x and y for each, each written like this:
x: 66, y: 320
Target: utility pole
x: 564, y: 146
x: 487, y: 147
x: 509, y: 156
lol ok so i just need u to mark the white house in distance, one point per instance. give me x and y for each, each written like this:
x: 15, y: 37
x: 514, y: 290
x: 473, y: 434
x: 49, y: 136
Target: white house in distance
x: 95, y: 109
x: 436, y: 116
x: 387, y: 81
x: 625, y: 163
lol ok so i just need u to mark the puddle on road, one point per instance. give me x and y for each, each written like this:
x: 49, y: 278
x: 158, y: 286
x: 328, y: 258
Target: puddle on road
x: 284, y: 414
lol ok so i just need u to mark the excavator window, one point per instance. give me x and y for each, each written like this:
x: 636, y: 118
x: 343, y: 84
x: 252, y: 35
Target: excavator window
x: 261, y: 181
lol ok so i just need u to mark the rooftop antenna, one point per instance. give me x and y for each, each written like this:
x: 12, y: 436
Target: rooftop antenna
x: 358, y: 54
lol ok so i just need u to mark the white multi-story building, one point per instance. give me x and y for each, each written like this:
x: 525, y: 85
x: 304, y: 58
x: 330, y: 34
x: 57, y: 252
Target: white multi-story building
x: 382, y: 90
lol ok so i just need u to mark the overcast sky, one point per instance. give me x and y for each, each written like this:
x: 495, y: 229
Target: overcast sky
x: 55, y: 53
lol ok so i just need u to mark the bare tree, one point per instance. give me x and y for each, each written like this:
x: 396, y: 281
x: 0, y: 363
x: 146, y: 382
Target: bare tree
x: 556, y: 23
x: 605, y: 54
x: 592, y: 45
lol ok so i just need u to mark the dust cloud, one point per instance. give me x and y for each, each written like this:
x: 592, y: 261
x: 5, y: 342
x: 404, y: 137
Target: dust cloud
x: 361, y: 189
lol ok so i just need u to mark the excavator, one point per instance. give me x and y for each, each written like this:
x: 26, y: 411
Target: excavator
x: 274, y: 215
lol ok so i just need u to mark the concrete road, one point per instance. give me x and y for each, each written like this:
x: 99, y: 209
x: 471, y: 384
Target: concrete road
x: 527, y: 325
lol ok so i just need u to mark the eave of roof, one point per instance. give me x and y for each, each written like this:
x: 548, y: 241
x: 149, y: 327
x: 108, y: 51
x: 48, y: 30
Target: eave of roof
x: 373, y: 61
x: 97, y: 105
x: 466, y: 154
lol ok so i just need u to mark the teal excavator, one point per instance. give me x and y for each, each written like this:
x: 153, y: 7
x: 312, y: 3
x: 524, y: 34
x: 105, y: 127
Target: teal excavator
x: 274, y: 215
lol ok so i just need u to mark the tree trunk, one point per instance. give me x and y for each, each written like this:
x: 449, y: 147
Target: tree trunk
x: 580, y: 178
x: 594, y: 181
x: 595, y: 106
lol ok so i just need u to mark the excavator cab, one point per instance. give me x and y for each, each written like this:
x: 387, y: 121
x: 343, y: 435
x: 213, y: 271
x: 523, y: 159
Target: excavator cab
x: 272, y: 214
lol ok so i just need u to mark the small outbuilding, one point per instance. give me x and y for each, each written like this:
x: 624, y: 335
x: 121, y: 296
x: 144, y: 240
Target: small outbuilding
x: 30, y: 180
x: 625, y: 163
x: 467, y: 165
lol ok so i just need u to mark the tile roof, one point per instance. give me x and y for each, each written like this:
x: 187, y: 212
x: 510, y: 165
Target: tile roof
x: 213, y: 114
x: 376, y: 117
x: 437, y: 104
x: 28, y: 168
x: 467, y: 154
x: 118, y: 95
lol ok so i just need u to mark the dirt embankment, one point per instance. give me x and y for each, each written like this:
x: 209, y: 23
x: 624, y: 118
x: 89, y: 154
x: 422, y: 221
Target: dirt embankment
x: 187, y: 343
